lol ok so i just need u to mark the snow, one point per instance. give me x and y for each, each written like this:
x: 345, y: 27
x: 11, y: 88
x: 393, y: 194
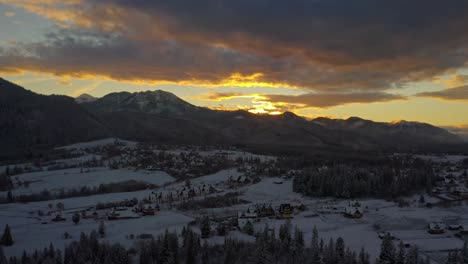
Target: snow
x: 408, y: 224
x: 98, y: 143
x: 72, y: 178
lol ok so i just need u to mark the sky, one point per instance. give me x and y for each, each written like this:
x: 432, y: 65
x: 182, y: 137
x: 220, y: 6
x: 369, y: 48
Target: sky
x: 376, y: 59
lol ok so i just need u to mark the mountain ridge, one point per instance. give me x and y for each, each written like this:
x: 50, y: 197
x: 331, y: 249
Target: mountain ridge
x: 160, y: 116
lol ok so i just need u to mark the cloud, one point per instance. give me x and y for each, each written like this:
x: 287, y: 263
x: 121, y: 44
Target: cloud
x: 325, y: 100
x: 225, y: 96
x: 317, y: 45
x: 456, y: 94
x: 9, y: 14
x: 65, y: 83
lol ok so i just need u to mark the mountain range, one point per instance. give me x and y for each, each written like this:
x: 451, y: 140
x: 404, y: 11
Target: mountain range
x: 30, y: 121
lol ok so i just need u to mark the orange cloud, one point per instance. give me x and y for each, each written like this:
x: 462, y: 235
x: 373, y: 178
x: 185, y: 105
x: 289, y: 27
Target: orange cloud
x: 451, y: 94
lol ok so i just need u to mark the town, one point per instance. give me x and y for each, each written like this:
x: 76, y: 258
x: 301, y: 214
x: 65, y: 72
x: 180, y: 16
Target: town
x: 132, y: 192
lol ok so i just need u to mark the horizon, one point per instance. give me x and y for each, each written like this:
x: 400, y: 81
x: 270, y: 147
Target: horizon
x: 394, y: 72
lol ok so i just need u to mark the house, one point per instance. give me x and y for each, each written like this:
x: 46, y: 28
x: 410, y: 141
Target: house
x: 354, y: 210
x: 264, y: 210
x: 436, y: 228
x: 464, y: 229
x: 451, y: 185
x: 58, y: 218
x: 121, y: 215
x: 244, y: 217
x: 461, y: 191
x: 454, y: 227
x: 285, y: 211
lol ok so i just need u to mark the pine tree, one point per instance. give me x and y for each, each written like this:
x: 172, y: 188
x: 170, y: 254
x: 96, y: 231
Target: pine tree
x: 315, y: 248
x: 298, y: 246
x: 421, y: 199
x: 205, y: 228
x: 10, y: 197
x: 7, y: 239
x: 3, y: 259
x: 363, y: 257
x: 387, y: 251
x: 205, y: 253
x: 102, y: 229
x: 400, y: 257
x: 412, y: 256
x: 76, y: 218
x: 451, y: 258
x: 248, y: 228
x: 464, y: 252
x: 221, y: 229
x: 340, y: 249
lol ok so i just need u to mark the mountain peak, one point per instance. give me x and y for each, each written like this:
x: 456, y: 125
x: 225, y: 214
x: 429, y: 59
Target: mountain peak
x: 85, y: 98
x: 151, y: 102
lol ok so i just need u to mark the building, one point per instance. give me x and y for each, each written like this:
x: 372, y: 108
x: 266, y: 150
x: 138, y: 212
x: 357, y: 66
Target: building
x: 354, y: 210
x: 285, y: 211
x: 436, y: 228
x: 244, y: 217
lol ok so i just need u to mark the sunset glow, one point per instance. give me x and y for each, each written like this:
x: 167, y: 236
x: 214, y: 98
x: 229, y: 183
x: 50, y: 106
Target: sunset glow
x: 85, y: 46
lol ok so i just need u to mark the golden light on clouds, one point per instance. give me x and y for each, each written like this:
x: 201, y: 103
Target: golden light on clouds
x: 252, y: 80
x: 10, y: 14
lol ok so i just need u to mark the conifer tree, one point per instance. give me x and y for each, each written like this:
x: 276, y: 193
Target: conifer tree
x: 205, y: 228
x: 7, y: 239
x: 3, y: 259
x: 400, y: 257
x: 76, y: 218
x: 387, y: 251
x: 102, y: 229
x: 464, y: 252
x: 248, y: 228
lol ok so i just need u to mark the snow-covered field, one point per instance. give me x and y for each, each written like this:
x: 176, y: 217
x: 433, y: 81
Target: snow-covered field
x: 75, y: 178
x: 408, y: 224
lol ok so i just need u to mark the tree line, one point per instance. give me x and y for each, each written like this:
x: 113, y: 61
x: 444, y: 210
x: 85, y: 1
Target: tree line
x: 396, y: 177
x: 288, y: 246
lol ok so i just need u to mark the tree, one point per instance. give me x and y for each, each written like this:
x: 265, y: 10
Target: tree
x: 76, y: 218
x: 387, y: 250
x: 7, y: 239
x: 3, y: 259
x: 205, y: 228
x: 400, y: 257
x: 102, y: 229
x: 221, y: 229
x: 464, y: 252
x: 248, y: 228
x: 363, y: 257
x: 412, y: 256
x: 10, y: 197
x: 422, y: 199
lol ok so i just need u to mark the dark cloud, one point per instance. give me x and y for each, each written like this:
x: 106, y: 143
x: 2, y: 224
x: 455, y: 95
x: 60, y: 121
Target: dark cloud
x: 222, y: 96
x: 324, y: 100
x: 457, y: 94
x: 320, y: 45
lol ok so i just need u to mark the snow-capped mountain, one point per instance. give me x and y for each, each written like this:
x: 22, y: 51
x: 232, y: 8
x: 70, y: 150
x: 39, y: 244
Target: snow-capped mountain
x: 34, y: 120
x: 85, y: 98
x: 150, y: 102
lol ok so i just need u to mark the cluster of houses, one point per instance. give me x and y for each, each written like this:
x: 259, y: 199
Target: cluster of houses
x: 441, y: 228
x: 283, y: 211
x: 353, y: 209
x: 451, y: 188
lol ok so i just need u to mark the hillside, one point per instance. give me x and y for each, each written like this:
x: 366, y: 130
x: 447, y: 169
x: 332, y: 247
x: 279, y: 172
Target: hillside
x: 31, y: 120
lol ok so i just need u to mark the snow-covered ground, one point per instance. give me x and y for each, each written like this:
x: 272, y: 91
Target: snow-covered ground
x: 99, y: 143
x: 74, y: 178
x: 408, y: 224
